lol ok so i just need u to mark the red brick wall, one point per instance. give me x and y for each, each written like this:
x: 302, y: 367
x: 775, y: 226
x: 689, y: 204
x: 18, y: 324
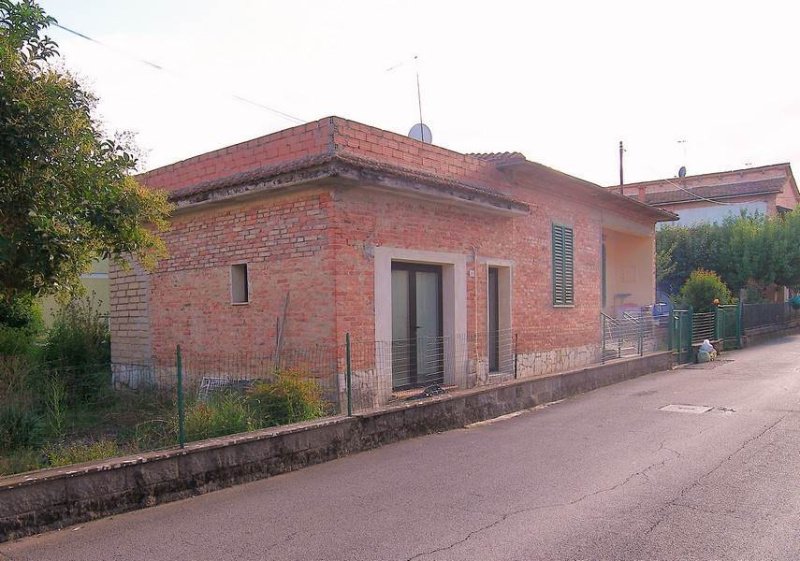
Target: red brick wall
x: 284, y: 146
x: 285, y: 243
x: 325, y: 136
x: 371, y: 218
x: 319, y: 247
x: 362, y: 141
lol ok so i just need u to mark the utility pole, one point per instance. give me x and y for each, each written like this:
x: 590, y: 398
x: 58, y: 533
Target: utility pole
x: 621, y: 176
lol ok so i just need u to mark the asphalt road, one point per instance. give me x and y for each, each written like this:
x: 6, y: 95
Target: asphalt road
x: 606, y: 475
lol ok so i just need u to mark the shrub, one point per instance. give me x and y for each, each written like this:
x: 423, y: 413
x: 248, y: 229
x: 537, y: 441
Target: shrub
x: 21, y: 313
x: 20, y: 427
x: 291, y: 398
x: 79, y: 452
x: 154, y: 434
x: 79, y: 336
x: 20, y: 460
x: 77, y: 351
x: 20, y: 325
x: 702, y: 288
x: 225, y: 413
x: 15, y: 378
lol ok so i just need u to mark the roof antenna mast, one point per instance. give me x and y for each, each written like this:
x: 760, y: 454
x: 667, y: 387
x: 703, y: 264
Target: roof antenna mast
x: 621, y: 176
x: 682, y: 170
x: 419, y: 91
x: 420, y: 131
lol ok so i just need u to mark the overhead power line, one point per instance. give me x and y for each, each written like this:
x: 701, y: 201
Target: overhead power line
x: 155, y: 66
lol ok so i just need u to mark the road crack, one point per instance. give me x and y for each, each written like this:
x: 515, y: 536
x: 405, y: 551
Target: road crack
x: 674, y: 502
x: 502, y: 518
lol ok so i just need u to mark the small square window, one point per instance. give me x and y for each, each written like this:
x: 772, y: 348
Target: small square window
x: 239, y: 286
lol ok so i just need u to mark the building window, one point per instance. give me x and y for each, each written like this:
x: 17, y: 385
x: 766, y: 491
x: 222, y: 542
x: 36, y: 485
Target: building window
x: 563, y: 284
x: 239, y: 285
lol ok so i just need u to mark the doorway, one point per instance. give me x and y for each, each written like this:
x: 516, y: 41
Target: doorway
x: 494, y: 319
x: 417, y: 342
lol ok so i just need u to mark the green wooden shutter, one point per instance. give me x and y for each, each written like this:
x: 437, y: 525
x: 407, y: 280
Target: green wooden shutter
x: 563, y: 271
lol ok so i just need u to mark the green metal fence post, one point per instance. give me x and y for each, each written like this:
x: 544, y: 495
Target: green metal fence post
x: 670, y: 325
x: 690, y: 322
x: 181, y: 416
x: 739, y: 324
x: 348, y: 378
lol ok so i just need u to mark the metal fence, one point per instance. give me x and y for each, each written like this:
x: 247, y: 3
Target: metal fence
x: 762, y: 315
x: 727, y: 324
x: 633, y: 334
x: 55, y: 414
x: 704, y: 326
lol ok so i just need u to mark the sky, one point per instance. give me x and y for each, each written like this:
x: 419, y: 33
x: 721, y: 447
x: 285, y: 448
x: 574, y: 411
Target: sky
x: 561, y: 81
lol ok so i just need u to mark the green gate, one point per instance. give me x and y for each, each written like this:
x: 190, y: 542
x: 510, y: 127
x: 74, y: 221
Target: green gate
x: 680, y: 335
x: 729, y: 326
x: 686, y: 327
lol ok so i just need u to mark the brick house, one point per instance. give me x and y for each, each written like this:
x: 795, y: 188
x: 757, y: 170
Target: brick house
x: 429, y: 258
x: 711, y: 197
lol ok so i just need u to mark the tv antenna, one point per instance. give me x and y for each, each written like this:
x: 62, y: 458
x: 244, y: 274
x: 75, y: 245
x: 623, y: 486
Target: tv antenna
x: 683, y: 142
x: 420, y: 131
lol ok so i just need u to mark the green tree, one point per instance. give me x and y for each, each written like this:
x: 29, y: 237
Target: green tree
x: 747, y: 251
x: 702, y: 288
x: 66, y: 193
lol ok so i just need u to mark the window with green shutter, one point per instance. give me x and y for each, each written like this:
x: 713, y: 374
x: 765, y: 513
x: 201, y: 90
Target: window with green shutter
x: 563, y: 285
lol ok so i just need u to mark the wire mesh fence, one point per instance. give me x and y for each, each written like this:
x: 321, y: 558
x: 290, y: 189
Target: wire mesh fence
x: 56, y: 414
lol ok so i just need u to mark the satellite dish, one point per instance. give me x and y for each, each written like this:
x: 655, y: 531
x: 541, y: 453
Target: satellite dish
x: 421, y: 132
x: 682, y: 171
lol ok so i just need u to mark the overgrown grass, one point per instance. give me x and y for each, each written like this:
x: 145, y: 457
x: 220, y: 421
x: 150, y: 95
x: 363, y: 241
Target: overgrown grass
x: 79, y: 452
x: 58, y: 405
x: 290, y: 398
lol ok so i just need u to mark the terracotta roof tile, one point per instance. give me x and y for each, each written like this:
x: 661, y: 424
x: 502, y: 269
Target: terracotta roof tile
x: 724, y: 190
x: 498, y: 157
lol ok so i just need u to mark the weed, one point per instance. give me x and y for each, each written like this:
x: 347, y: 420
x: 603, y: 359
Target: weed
x: 79, y: 452
x: 290, y: 398
x: 55, y: 407
x: 24, y: 459
x: 226, y: 413
x: 20, y: 427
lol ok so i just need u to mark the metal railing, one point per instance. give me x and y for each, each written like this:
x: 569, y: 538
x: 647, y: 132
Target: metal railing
x: 763, y: 315
x: 79, y: 413
x: 704, y: 326
x: 632, y: 335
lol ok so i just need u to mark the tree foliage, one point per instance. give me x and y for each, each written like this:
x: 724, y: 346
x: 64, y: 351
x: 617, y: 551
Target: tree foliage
x: 746, y: 251
x: 66, y: 193
x: 703, y: 290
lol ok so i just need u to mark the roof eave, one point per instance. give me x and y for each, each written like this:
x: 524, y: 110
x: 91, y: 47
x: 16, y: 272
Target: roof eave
x: 396, y: 180
x: 659, y: 215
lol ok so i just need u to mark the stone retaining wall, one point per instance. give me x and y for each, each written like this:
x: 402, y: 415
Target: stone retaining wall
x: 55, y: 498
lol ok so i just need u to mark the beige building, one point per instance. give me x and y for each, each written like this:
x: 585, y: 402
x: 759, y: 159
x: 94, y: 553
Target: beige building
x: 97, y: 290
x: 711, y: 197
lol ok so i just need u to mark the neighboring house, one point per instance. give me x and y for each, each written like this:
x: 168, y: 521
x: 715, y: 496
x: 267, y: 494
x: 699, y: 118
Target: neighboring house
x: 713, y: 196
x: 393, y: 241
x: 95, y: 281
